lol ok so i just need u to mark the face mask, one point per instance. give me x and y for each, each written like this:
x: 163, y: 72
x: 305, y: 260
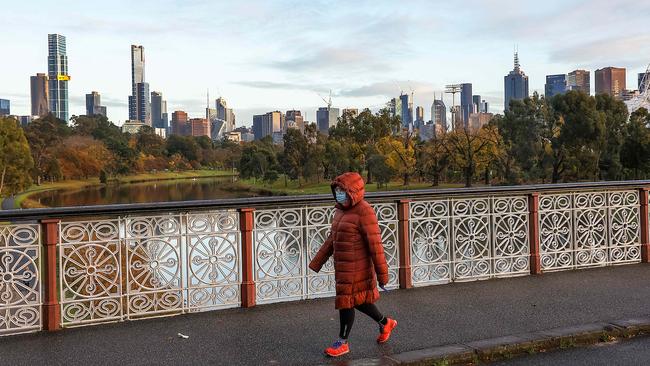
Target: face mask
x: 341, y: 196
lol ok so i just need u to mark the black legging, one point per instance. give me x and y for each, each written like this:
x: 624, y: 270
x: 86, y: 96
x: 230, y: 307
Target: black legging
x: 347, y: 317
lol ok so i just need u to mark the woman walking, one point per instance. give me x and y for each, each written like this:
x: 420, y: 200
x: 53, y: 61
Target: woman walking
x: 359, y: 262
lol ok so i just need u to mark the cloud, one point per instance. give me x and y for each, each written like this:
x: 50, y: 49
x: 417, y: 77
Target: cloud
x: 625, y: 50
x: 332, y: 58
x: 387, y: 89
x: 262, y: 84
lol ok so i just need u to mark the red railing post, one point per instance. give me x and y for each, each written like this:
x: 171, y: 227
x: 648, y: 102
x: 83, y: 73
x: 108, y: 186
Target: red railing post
x: 247, y: 257
x: 404, y: 242
x: 643, y: 223
x: 51, y: 307
x: 533, y: 233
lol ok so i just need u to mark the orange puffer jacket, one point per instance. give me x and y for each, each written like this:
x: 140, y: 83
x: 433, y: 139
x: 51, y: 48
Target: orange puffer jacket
x: 355, y: 242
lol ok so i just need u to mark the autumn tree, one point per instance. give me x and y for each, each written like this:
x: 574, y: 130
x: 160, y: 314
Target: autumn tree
x: 44, y: 135
x: 472, y: 150
x: 400, y: 155
x: 433, y: 158
x: 15, y: 158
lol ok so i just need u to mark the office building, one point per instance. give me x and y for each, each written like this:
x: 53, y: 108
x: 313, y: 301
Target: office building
x: 484, y: 107
x: 93, y: 105
x: 419, y: 118
x: 478, y: 120
x: 515, y: 84
x: 158, y: 111
x: 225, y: 114
x: 139, y: 102
x: 610, y: 80
x: 180, y: 123
x: 555, y: 84
x: 200, y: 127
x: 326, y: 118
x: 466, y: 102
x: 5, y: 107
x: 629, y: 94
x: 132, y: 127
x: 644, y: 79
x: 406, y: 110
x: 476, y: 100
x: 439, y: 113
x: 267, y: 124
x: 579, y: 80
x: 39, y: 94
x: 57, y: 71
x: 294, y: 119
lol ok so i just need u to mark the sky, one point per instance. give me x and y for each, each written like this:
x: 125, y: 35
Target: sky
x: 266, y: 55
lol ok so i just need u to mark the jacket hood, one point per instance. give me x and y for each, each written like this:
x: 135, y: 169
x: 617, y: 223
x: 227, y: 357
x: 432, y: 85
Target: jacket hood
x: 352, y: 183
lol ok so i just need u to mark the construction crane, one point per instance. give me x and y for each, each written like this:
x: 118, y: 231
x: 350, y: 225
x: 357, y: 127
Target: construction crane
x: 643, y: 99
x: 328, y: 101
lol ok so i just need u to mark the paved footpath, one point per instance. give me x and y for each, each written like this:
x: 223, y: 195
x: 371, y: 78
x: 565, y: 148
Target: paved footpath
x: 296, y: 333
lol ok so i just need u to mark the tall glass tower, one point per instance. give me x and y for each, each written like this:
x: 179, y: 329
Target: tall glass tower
x: 57, y: 69
x: 139, y: 103
x: 515, y: 84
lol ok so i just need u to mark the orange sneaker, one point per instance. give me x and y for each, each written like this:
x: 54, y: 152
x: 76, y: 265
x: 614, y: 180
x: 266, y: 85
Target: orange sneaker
x: 386, y: 330
x: 338, y: 349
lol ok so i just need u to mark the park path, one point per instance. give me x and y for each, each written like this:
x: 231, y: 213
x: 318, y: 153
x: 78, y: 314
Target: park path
x: 295, y: 333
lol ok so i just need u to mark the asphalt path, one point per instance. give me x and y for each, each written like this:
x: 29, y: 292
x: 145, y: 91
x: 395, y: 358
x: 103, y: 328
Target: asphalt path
x: 296, y: 333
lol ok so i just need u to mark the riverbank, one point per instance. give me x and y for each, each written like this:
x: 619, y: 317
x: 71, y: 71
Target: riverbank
x: 23, y: 200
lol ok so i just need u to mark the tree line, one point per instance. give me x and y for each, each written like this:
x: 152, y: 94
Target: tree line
x: 570, y: 137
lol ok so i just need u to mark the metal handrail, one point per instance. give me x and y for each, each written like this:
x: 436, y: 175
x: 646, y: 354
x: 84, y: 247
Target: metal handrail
x: 235, y: 203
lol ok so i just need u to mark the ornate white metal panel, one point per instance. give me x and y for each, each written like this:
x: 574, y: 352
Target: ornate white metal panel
x: 589, y: 229
x: 469, y: 238
x: 279, y: 264
x: 430, y: 242
x: 90, y: 271
x: 154, y: 272
x: 213, y: 263
x: 20, y: 285
x: 282, y: 255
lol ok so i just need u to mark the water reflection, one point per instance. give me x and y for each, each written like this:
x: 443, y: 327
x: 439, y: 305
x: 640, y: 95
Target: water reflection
x: 159, y: 191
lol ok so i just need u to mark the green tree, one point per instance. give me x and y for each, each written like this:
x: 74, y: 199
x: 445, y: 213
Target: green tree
x: 471, y: 151
x: 186, y: 146
x: 635, y: 151
x: 615, y: 115
x: 148, y: 143
x: 433, y: 158
x: 15, y: 158
x: 43, y: 136
x: 378, y: 167
x: 295, y: 155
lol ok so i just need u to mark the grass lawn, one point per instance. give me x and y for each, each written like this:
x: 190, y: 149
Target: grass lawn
x: 136, y: 178
x: 292, y: 187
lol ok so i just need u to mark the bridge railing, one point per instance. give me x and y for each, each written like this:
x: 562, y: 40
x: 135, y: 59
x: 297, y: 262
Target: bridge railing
x: 74, y: 266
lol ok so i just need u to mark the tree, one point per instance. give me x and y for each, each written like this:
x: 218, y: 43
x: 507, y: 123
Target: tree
x: 635, y: 150
x: 43, y: 135
x: 81, y: 157
x: 471, y: 151
x: 258, y: 161
x: 400, y: 155
x: 615, y: 116
x: 149, y: 143
x: 433, y: 158
x: 378, y: 167
x: 15, y: 158
x: 186, y: 146
x: 295, y: 155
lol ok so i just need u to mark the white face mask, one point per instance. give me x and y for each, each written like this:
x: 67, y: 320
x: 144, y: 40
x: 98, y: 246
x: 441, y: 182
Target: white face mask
x: 341, y: 196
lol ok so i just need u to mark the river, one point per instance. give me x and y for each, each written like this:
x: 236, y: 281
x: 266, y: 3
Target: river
x: 153, y: 191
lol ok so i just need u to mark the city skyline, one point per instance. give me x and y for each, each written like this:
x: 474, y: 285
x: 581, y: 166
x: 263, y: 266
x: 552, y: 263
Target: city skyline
x: 284, y: 68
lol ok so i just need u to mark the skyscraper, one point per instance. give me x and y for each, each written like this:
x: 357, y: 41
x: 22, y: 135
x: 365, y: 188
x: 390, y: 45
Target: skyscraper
x: 484, y: 107
x: 200, y: 127
x: 39, y: 94
x: 515, y: 84
x: 610, y: 80
x: 406, y: 111
x: 139, y: 103
x: 439, y: 114
x: 294, y: 119
x: 5, y: 109
x: 57, y: 70
x: 180, y: 125
x: 93, y: 105
x: 555, y: 84
x: 466, y: 102
x: 476, y: 100
x: 643, y: 83
x: 267, y: 124
x: 326, y: 118
x: 579, y: 80
x: 158, y: 111
x: 225, y: 114
x: 419, y: 117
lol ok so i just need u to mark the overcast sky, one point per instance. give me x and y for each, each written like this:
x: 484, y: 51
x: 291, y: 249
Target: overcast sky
x: 267, y: 55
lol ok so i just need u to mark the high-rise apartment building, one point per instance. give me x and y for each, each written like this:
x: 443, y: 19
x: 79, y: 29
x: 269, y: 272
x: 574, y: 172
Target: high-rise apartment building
x: 180, y: 123
x: 225, y: 114
x: 326, y: 118
x: 476, y: 100
x: 5, y: 107
x: 57, y: 70
x: 579, y: 80
x: 93, y: 105
x: 439, y: 114
x: 158, y: 111
x: 484, y: 107
x: 39, y: 94
x: 555, y: 84
x: 406, y: 115
x: 200, y: 127
x: 610, y: 80
x: 515, y: 84
x: 139, y: 102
